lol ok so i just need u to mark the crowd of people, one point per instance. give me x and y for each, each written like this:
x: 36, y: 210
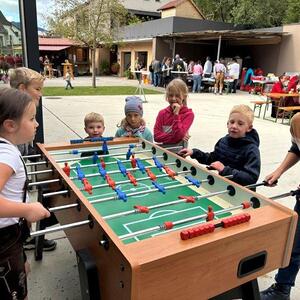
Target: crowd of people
x: 162, y: 72
x: 7, y: 62
x: 236, y: 154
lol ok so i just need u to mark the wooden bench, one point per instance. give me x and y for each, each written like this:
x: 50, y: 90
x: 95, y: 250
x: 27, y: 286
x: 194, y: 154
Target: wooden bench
x: 287, y: 111
x: 259, y: 104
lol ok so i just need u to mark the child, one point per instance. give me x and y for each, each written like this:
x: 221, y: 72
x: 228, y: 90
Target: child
x: 285, y: 277
x: 94, y: 125
x: 173, y: 123
x: 68, y: 79
x: 17, y: 126
x: 133, y: 124
x: 237, y: 153
x: 31, y: 82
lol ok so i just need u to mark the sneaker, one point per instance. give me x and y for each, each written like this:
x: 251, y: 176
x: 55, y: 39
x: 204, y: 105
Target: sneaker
x: 48, y: 245
x: 276, y: 292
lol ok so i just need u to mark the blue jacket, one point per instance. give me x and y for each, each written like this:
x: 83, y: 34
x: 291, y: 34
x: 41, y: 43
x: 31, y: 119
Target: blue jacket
x: 240, y: 157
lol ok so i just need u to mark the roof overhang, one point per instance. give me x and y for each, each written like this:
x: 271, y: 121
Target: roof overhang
x: 52, y: 48
x: 237, y: 37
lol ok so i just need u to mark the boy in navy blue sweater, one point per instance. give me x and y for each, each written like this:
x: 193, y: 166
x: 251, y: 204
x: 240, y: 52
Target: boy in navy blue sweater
x: 237, y: 153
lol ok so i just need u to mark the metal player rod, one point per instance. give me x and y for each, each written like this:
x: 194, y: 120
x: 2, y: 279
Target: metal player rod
x: 114, y: 162
x: 40, y: 172
x: 179, y: 222
x: 137, y: 179
x: 84, y: 150
x: 47, y: 195
x: 129, y: 212
x: 90, y: 165
x: 59, y: 228
x: 32, y: 156
x: 57, y: 208
x: 140, y: 193
x: 30, y: 184
x: 107, y: 155
x: 118, y: 171
x: 97, y: 174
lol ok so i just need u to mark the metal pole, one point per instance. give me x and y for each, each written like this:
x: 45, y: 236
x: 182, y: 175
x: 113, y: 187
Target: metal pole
x: 219, y: 47
x: 29, y: 30
x: 59, y: 228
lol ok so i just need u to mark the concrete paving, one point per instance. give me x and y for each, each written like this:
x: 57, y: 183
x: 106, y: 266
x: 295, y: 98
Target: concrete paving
x: 56, y: 276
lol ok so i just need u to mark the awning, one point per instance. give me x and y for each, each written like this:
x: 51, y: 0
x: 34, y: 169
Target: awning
x: 52, y: 48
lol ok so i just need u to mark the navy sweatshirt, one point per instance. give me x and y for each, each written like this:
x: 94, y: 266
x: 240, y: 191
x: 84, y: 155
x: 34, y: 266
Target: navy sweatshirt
x: 240, y: 156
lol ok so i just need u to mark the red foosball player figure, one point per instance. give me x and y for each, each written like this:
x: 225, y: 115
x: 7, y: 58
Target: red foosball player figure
x: 210, y: 214
x: 102, y: 163
x: 67, y: 169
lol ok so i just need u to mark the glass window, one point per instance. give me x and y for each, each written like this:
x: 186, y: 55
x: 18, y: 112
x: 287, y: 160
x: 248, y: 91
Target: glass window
x: 11, y: 49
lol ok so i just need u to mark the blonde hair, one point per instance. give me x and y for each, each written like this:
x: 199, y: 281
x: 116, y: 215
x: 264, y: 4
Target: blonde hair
x: 245, y: 110
x: 177, y: 86
x: 93, y: 117
x: 24, y: 76
x: 295, y: 126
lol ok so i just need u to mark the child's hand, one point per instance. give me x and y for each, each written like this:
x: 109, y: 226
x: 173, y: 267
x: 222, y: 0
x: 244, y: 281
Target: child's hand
x: 217, y: 165
x: 185, y: 152
x: 272, y: 178
x: 176, y: 108
x: 186, y: 137
x: 35, y: 212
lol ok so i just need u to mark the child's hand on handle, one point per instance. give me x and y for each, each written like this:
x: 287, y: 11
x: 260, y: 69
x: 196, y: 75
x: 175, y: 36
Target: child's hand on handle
x: 217, y: 165
x: 35, y: 212
x: 185, y: 152
x: 176, y: 108
x: 186, y: 137
x: 272, y: 178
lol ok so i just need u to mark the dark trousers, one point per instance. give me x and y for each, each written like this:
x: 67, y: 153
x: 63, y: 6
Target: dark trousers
x: 68, y: 84
x: 288, y: 275
x: 232, y: 86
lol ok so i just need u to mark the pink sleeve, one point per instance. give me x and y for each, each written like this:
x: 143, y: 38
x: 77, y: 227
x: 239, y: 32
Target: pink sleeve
x: 159, y: 135
x: 179, y: 128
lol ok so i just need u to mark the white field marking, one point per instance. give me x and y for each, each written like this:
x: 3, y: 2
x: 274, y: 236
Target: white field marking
x: 160, y: 211
x: 167, y: 214
x: 129, y: 231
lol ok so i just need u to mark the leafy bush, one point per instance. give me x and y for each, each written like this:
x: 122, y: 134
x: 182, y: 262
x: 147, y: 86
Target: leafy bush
x: 128, y: 74
x: 104, y: 67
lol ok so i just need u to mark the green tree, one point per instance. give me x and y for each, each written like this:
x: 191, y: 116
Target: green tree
x: 292, y: 12
x: 252, y: 13
x: 94, y: 23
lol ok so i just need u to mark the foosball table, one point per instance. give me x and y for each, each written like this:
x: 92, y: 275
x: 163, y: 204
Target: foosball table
x: 158, y: 226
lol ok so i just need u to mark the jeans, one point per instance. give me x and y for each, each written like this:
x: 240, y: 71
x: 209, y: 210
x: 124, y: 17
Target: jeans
x: 288, y: 275
x: 156, y: 79
x: 196, y: 83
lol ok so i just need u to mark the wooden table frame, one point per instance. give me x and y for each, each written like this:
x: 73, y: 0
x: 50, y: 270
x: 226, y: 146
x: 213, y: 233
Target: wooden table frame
x: 279, y: 98
x: 165, y: 267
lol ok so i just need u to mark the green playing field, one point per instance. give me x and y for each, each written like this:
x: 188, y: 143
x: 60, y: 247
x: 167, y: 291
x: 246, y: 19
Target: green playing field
x: 123, y: 225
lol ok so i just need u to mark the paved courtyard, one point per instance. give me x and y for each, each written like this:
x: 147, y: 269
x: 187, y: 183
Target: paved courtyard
x: 56, y: 276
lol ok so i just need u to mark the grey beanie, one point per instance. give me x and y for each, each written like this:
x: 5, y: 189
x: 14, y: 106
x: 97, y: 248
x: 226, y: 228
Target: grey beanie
x: 134, y: 104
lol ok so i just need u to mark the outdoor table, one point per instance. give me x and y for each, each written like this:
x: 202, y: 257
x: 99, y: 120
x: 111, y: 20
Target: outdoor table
x: 279, y: 100
x: 180, y: 74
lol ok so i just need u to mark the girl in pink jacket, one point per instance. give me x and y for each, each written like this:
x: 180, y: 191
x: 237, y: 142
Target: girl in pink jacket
x: 173, y: 123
